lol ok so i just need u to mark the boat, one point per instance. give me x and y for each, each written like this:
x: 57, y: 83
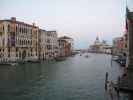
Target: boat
x: 34, y: 61
x: 60, y: 58
x: 115, y: 58
x: 8, y: 63
x: 4, y: 63
x: 13, y: 64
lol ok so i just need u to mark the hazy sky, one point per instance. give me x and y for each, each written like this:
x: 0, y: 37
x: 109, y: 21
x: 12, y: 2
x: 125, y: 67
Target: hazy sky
x: 81, y: 19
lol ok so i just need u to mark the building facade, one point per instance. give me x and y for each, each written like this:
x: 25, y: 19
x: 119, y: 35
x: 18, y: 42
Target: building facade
x: 129, y: 23
x: 100, y: 47
x: 41, y: 44
x: 118, y: 46
x: 51, y: 44
x: 18, y: 40
x: 65, y: 46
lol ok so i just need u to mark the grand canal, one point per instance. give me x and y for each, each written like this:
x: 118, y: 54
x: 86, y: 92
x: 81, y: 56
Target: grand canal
x: 76, y: 78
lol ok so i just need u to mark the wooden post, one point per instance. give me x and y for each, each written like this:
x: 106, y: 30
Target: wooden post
x: 117, y: 89
x: 106, y: 80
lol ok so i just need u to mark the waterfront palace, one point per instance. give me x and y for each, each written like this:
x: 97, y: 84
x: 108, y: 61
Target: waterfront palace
x: 21, y: 41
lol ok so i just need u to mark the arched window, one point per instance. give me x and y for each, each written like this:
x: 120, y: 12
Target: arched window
x: 24, y: 30
x: 28, y: 54
x: 8, y: 28
x: 16, y: 29
x: 24, y: 42
x: 28, y: 42
x: 20, y: 29
x: 8, y: 52
x: 3, y: 28
x: 20, y: 42
x: 16, y: 49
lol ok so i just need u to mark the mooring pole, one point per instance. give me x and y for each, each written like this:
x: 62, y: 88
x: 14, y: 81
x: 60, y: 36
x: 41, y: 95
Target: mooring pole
x: 106, y: 80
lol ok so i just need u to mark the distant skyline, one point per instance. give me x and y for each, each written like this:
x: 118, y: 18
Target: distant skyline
x: 82, y: 20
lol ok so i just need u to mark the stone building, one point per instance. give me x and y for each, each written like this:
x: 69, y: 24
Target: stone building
x: 100, y: 46
x: 96, y: 47
x: 65, y: 46
x: 118, y: 46
x: 18, y: 40
x: 48, y: 44
x: 129, y: 22
x: 41, y: 44
x: 51, y: 44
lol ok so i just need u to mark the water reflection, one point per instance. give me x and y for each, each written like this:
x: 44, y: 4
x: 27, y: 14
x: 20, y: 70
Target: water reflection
x: 15, y: 79
x: 77, y: 78
x: 20, y: 73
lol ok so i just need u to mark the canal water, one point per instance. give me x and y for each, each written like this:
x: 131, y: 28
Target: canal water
x: 76, y: 78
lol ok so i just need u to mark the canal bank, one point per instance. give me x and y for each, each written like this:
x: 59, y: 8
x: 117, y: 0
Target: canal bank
x: 76, y: 78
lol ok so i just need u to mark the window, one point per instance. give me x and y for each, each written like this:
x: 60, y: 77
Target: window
x: 20, y: 29
x: 22, y: 42
x: 8, y: 28
x: 26, y: 30
x: 16, y: 29
x: 49, y: 47
x: 8, y: 52
x: 48, y: 41
x: 16, y: 49
x: 3, y: 42
x: 3, y: 28
x: 19, y: 42
x: 16, y: 54
x: 23, y: 31
x: 31, y: 31
x: 28, y: 54
x: 28, y: 42
x: 36, y: 53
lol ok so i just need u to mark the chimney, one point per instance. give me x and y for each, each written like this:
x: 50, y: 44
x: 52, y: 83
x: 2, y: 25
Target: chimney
x: 13, y: 19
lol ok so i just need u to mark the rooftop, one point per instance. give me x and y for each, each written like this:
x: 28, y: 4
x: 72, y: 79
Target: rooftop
x: 13, y: 19
x: 65, y: 37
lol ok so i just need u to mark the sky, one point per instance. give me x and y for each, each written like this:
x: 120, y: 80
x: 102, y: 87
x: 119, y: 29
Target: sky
x: 82, y: 20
